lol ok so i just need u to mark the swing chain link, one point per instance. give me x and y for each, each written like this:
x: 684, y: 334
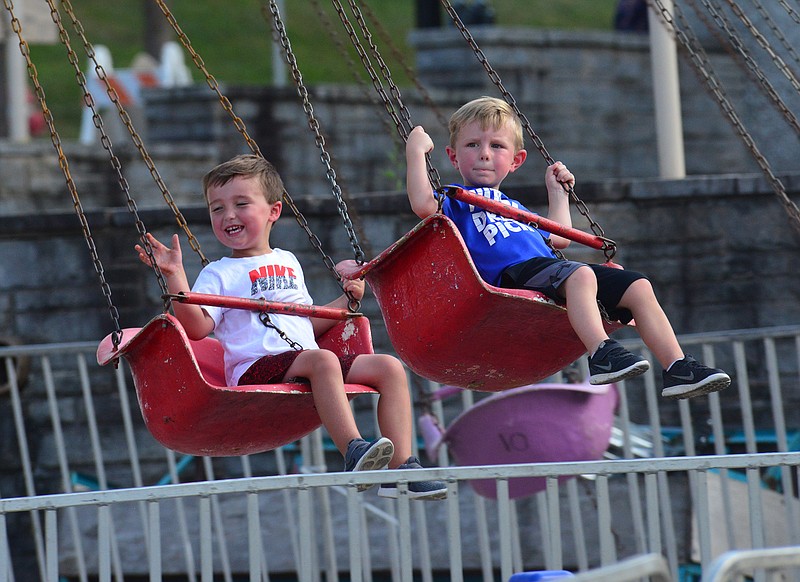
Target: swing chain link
x: 398, y: 57
x: 402, y: 120
x: 209, y: 78
x: 610, y: 250
x: 265, y: 319
x: 319, y: 139
x: 699, y: 60
x: 242, y: 129
x: 16, y: 27
x: 113, y: 96
x: 736, y: 42
x: 97, y: 120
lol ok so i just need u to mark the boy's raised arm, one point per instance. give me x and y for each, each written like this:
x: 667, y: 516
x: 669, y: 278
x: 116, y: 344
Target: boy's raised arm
x: 557, y: 177
x: 195, y: 321
x: 418, y: 184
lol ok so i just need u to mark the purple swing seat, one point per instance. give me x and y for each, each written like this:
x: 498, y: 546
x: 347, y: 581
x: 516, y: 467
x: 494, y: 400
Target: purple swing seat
x: 539, y: 423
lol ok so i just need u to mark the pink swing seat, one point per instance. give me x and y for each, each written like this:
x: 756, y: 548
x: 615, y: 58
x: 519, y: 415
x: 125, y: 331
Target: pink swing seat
x: 541, y: 423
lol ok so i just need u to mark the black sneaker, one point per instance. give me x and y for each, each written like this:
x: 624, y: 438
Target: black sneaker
x: 423, y: 490
x: 613, y: 363
x: 365, y: 456
x: 687, y: 378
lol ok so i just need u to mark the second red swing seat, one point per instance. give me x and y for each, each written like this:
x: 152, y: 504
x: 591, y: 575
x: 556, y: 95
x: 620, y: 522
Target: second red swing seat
x: 450, y: 326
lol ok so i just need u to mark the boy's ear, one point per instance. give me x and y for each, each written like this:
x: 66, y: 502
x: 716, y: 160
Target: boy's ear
x: 519, y: 158
x: 451, y: 153
x: 275, y: 211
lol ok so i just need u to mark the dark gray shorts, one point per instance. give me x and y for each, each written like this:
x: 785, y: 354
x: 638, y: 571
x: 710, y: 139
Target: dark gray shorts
x: 546, y: 275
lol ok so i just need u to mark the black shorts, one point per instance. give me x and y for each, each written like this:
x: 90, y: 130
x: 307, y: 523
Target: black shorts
x: 546, y: 275
x: 272, y: 369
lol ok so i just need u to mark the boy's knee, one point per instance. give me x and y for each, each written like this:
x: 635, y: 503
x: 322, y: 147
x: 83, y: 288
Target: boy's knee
x: 582, y: 276
x: 325, y: 360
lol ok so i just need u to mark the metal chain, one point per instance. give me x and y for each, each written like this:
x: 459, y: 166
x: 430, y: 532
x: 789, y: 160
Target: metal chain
x: 537, y: 141
x: 97, y: 119
x: 135, y: 137
x: 16, y: 27
x: 335, y: 37
x: 401, y: 119
x: 398, y: 56
x: 776, y: 30
x: 700, y: 62
x: 743, y: 53
x: 265, y: 319
x: 319, y: 140
x: 792, y: 12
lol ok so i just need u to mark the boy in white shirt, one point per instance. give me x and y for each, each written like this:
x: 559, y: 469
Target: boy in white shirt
x: 244, y: 201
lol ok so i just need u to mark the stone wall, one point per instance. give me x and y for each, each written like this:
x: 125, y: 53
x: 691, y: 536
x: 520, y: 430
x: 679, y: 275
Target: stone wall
x: 718, y: 249
x: 588, y: 96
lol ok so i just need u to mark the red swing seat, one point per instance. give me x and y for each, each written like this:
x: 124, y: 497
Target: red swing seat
x: 187, y: 407
x: 450, y: 326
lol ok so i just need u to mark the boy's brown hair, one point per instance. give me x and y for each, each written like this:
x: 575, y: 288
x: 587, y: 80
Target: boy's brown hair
x: 246, y: 166
x: 491, y: 113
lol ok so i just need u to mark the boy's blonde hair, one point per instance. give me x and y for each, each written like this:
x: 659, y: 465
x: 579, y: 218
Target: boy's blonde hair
x: 246, y: 166
x: 492, y: 113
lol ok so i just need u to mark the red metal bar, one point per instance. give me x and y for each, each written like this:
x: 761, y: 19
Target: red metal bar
x: 525, y: 217
x: 262, y: 305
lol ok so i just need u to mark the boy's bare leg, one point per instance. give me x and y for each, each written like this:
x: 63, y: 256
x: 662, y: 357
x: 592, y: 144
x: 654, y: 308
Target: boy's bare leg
x: 324, y: 372
x: 580, y: 292
x: 386, y: 374
x: 651, y: 322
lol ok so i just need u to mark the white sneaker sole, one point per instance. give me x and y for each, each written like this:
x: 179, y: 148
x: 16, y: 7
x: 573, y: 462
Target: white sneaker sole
x: 713, y: 383
x: 394, y: 493
x: 631, y: 371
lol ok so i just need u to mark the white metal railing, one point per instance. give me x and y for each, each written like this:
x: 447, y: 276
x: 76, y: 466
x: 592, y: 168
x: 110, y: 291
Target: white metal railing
x: 734, y: 565
x: 93, y: 438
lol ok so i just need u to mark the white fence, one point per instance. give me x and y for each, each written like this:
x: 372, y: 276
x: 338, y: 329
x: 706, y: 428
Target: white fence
x: 87, y: 492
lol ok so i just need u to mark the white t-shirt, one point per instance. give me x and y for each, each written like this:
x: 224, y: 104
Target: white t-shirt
x: 275, y: 276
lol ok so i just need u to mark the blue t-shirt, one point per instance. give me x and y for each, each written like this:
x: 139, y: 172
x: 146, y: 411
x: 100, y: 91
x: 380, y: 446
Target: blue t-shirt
x: 495, y: 242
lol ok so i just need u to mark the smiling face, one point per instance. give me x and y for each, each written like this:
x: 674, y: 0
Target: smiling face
x: 484, y: 156
x: 241, y: 216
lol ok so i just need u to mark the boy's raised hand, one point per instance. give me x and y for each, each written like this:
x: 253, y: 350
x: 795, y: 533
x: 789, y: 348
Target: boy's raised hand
x: 419, y: 141
x: 168, y: 259
x: 355, y: 287
x: 558, y: 177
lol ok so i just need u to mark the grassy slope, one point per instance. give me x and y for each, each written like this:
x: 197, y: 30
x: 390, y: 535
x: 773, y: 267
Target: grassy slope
x: 233, y: 38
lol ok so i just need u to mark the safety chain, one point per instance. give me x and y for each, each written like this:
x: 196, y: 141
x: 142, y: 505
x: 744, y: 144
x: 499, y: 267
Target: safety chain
x: 700, y: 62
x: 105, y: 141
x: 402, y: 125
x: 537, y: 141
x: 16, y: 26
x: 265, y: 319
x: 313, y: 123
x: 764, y: 43
x: 737, y: 43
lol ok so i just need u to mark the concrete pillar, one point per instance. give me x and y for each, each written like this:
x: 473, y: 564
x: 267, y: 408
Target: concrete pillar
x: 16, y: 81
x: 666, y: 96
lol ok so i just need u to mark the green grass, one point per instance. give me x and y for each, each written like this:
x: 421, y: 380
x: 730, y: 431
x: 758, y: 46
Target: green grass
x: 234, y: 40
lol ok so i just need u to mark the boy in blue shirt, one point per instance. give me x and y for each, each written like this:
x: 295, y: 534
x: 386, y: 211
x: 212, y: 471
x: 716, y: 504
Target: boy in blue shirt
x: 485, y: 146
